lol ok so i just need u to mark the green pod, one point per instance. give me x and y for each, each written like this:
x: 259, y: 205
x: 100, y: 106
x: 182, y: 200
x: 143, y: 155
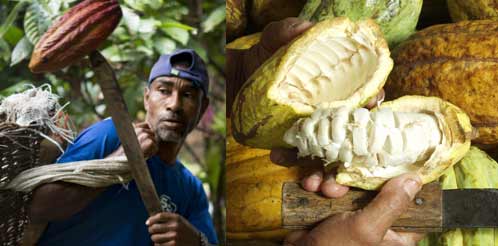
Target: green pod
x: 396, y: 18
x: 475, y: 170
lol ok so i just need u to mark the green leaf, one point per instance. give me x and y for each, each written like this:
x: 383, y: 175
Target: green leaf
x: 136, y: 4
x: 54, y: 6
x: 36, y: 22
x: 11, y: 18
x: 173, y: 10
x: 179, y: 34
x: 131, y: 19
x: 201, y: 51
x: 155, y: 4
x: 148, y: 25
x: 21, y: 51
x: 115, y: 53
x: 172, y: 23
x: 164, y: 45
x: 146, y: 50
x: 4, y: 50
x: 13, y: 35
x: 214, y: 19
x: 67, y: 3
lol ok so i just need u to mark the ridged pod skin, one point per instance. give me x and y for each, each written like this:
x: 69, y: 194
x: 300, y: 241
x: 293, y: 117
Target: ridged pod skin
x: 77, y: 33
x: 476, y: 170
x: 261, y: 111
x: 236, y: 19
x: 263, y: 12
x: 456, y: 62
x: 397, y: 19
x: 254, y: 192
x: 457, y: 133
x: 473, y: 9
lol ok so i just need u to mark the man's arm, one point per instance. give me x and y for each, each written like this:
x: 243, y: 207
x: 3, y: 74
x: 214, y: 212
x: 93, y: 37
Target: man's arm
x: 60, y: 200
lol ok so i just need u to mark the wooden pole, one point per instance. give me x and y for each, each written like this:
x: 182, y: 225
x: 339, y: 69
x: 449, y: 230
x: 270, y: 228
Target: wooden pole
x: 116, y: 106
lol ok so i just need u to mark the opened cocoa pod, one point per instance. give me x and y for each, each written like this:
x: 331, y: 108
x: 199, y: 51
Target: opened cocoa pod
x: 77, y: 33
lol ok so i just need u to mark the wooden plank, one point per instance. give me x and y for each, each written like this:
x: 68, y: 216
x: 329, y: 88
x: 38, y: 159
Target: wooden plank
x: 302, y: 209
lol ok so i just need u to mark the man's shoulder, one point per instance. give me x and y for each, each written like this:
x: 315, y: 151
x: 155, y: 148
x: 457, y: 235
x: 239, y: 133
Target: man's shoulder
x: 95, y: 142
x: 103, y: 130
x: 106, y: 125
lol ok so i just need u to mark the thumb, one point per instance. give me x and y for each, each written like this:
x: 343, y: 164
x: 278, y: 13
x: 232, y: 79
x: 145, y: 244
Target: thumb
x: 279, y: 33
x: 294, y: 237
x: 390, y: 203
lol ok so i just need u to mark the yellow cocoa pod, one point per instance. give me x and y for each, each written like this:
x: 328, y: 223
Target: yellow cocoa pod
x: 472, y: 9
x: 456, y: 62
x: 244, y: 43
x: 254, y: 192
x: 337, y: 62
x: 236, y: 18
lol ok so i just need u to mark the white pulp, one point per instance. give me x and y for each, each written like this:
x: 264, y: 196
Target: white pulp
x: 379, y: 143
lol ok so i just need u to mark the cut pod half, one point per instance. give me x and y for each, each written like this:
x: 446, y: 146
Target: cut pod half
x: 418, y: 134
x: 336, y: 63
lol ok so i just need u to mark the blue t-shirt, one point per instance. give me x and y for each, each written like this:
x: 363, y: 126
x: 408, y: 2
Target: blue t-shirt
x: 118, y: 215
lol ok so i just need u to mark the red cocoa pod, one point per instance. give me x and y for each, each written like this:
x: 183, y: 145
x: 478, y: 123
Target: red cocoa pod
x: 77, y: 33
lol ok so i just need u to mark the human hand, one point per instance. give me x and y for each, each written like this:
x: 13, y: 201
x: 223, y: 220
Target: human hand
x: 370, y: 225
x: 240, y: 64
x: 168, y: 229
x: 146, y: 139
x: 274, y: 35
x: 315, y: 179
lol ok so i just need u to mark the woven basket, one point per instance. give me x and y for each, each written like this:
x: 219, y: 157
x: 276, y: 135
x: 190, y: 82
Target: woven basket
x: 19, y: 150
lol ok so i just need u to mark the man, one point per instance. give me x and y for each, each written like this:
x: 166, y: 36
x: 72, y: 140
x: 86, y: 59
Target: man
x: 175, y: 99
x: 369, y: 226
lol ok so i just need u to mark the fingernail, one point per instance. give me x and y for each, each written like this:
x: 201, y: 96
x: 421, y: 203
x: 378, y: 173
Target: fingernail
x: 294, y: 25
x: 412, y: 187
x: 147, y: 222
x: 298, y: 24
x: 314, y: 176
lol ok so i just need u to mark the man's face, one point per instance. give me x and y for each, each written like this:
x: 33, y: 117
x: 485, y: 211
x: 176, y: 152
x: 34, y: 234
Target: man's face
x: 174, y: 107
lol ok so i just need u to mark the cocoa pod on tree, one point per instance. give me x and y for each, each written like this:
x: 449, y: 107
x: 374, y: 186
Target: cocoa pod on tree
x: 78, y: 32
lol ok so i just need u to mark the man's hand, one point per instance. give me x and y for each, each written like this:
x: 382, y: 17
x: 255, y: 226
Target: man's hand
x: 369, y: 226
x: 274, y: 35
x: 168, y: 229
x: 146, y: 138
